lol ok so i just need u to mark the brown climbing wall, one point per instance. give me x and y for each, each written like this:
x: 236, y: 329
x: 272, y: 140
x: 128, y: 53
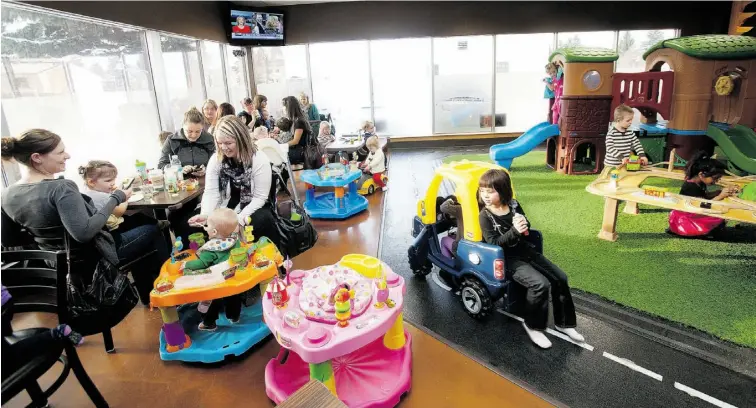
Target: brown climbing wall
x: 586, y: 117
x: 585, y: 120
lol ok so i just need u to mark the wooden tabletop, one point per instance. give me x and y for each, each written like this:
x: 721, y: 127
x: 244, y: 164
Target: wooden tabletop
x: 163, y: 199
x: 344, y: 145
x: 311, y: 395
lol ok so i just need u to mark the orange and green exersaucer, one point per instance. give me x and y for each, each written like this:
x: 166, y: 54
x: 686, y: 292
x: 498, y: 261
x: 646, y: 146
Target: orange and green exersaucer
x: 176, y: 293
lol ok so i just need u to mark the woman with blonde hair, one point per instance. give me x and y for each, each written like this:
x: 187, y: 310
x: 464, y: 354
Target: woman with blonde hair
x: 309, y: 108
x: 239, y: 177
x: 210, y: 114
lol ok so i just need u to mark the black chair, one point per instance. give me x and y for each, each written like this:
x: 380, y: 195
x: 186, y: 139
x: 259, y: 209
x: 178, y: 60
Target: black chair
x: 15, y: 236
x: 38, y: 289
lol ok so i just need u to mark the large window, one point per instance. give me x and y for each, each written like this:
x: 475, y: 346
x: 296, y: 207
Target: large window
x: 520, y: 71
x: 341, y: 82
x: 212, y: 67
x: 182, y: 75
x: 93, y: 88
x: 632, y: 44
x: 463, y: 84
x: 601, y: 39
x: 402, y: 91
x: 236, y: 75
x: 281, y: 72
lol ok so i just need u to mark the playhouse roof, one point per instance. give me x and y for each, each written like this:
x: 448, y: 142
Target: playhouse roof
x: 713, y: 46
x: 584, y: 54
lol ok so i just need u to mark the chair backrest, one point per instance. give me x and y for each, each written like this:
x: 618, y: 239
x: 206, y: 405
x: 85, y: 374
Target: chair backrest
x: 36, y: 288
x: 271, y: 149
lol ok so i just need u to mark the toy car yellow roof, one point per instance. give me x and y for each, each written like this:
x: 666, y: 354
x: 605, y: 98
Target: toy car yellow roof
x: 465, y: 176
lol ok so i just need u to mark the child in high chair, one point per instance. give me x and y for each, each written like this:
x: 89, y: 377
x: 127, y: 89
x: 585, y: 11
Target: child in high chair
x: 324, y: 134
x: 222, y: 226
x: 503, y: 223
x: 621, y: 141
x: 375, y: 163
x: 99, y: 182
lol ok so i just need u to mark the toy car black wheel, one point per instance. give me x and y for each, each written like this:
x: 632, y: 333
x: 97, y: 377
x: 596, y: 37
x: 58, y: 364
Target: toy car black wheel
x: 371, y: 190
x: 475, y: 298
x: 420, y: 267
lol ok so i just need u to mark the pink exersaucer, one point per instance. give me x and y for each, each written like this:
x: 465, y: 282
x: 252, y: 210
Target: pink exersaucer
x: 342, y: 325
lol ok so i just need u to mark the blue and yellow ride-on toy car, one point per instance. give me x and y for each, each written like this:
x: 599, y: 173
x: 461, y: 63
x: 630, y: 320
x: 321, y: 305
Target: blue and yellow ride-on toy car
x: 478, y: 270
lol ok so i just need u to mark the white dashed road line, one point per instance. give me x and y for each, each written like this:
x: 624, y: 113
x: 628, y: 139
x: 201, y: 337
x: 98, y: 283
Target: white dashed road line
x: 635, y: 367
x: 619, y: 360
x: 698, y: 394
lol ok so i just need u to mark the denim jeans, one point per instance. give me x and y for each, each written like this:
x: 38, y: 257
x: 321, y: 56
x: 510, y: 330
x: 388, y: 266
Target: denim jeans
x: 134, y: 243
x: 540, y: 276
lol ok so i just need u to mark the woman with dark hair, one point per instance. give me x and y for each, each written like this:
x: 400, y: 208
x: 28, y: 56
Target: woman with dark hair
x: 47, y: 206
x: 503, y: 223
x: 192, y: 144
x: 259, y: 102
x: 300, y: 129
x: 239, y: 177
x: 225, y: 109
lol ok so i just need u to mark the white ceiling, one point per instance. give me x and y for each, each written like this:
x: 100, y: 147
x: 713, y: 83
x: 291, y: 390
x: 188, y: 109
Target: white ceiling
x: 287, y: 2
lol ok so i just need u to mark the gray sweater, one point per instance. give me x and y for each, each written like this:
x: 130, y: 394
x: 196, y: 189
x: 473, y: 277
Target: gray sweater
x: 51, y: 204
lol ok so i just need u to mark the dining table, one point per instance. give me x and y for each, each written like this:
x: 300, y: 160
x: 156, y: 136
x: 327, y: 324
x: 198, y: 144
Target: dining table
x: 162, y: 201
x: 351, y: 143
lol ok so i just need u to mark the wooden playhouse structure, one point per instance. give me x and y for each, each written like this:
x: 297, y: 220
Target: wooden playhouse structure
x: 693, y: 83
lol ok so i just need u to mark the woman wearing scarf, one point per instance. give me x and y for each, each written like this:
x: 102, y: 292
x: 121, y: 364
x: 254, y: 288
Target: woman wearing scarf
x: 239, y: 177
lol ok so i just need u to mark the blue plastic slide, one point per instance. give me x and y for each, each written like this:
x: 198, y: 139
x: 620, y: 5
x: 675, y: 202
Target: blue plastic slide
x: 504, y: 153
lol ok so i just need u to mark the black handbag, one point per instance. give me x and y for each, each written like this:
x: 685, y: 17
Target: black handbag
x: 101, y: 304
x: 313, y: 154
x: 296, y: 236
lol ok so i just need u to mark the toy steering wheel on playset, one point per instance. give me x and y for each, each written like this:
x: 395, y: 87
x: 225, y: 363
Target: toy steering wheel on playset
x: 725, y: 84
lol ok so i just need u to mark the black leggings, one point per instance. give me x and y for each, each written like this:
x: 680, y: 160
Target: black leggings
x: 232, y: 305
x: 540, y: 276
x: 179, y: 219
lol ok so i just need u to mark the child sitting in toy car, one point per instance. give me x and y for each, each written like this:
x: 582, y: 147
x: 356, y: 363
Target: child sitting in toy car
x: 503, y: 223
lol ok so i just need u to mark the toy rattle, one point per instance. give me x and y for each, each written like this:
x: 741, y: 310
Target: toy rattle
x: 278, y: 293
x: 343, y: 306
x: 177, y: 247
x: 248, y: 229
x: 382, y: 294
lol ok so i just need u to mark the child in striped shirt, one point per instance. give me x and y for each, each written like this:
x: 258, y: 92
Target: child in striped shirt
x: 621, y: 141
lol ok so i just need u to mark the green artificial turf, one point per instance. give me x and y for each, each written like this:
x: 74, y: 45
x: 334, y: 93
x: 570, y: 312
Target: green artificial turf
x: 704, y: 284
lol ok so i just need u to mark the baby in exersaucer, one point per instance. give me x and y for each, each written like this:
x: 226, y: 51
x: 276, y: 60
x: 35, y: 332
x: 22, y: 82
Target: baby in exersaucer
x: 222, y: 225
x: 328, y: 288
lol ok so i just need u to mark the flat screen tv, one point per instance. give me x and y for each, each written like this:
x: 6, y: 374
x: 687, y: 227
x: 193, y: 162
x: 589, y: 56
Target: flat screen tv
x: 254, y: 26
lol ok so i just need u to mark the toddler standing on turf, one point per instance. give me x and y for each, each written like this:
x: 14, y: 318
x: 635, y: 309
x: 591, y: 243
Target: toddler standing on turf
x: 503, y: 223
x: 621, y: 141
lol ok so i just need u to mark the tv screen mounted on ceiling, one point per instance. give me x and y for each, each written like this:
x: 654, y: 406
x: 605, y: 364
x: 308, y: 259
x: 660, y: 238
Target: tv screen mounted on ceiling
x: 254, y: 26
